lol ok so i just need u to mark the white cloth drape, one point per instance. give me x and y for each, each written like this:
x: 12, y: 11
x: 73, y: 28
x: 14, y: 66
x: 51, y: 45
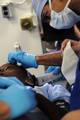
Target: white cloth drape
x: 69, y: 64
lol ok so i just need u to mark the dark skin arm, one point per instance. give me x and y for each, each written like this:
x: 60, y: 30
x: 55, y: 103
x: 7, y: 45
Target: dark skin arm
x: 54, y: 58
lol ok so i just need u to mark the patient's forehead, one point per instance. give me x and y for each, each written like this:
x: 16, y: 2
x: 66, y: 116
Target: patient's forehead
x: 13, y: 70
x: 11, y: 66
x: 17, y: 71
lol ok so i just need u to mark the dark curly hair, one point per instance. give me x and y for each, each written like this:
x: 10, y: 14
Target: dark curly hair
x: 18, y: 71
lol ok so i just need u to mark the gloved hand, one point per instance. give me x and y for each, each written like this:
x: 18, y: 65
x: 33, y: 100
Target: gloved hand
x: 75, y: 93
x: 54, y: 69
x: 19, y: 99
x: 27, y: 60
x: 8, y: 81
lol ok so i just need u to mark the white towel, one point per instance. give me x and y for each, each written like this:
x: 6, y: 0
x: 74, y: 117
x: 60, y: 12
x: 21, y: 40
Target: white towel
x: 69, y: 64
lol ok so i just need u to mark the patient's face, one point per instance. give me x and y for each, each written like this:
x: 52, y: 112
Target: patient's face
x: 19, y: 72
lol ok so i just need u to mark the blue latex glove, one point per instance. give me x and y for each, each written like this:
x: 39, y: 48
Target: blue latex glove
x: 75, y: 94
x: 18, y: 98
x: 27, y: 60
x: 8, y: 81
x: 54, y: 69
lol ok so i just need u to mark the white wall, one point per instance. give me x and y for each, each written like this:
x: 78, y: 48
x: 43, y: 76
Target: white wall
x: 11, y: 32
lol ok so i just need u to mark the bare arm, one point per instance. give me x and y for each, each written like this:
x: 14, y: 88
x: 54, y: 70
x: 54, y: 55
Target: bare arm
x: 74, y: 115
x: 54, y: 58
x: 77, y: 30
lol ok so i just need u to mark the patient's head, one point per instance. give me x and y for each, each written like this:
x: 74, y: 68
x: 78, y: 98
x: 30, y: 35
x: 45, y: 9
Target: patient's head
x: 19, y: 72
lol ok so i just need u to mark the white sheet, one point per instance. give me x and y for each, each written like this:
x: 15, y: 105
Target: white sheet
x: 69, y: 64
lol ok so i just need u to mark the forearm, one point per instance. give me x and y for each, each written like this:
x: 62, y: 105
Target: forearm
x: 29, y: 60
x: 74, y: 115
x: 77, y: 30
x: 54, y: 58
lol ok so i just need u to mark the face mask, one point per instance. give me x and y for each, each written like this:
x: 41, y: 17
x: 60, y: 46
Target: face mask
x: 64, y: 19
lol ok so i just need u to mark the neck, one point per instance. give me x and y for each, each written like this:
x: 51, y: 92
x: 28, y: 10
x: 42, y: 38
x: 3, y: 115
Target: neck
x: 58, y: 5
